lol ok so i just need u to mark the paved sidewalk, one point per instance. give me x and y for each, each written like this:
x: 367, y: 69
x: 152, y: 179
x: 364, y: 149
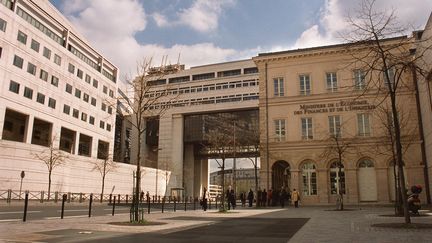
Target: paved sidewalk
x: 324, y: 225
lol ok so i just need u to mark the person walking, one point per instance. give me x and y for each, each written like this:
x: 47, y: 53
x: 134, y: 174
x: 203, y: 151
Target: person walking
x: 250, y: 197
x: 295, y: 197
x: 259, y: 197
x: 204, y: 199
x: 264, y: 198
x: 269, y: 197
x: 282, y: 197
x: 243, y: 199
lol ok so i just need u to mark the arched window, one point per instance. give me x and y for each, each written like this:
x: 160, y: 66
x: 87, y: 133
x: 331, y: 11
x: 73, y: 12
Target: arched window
x: 309, y: 179
x: 336, y: 177
x: 366, y: 164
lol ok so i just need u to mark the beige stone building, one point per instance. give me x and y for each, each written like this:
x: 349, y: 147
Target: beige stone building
x: 308, y: 96
x: 425, y: 92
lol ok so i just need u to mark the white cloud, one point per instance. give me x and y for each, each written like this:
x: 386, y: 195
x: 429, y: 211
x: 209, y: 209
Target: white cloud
x: 333, y: 15
x: 160, y: 20
x: 111, y: 25
x: 203, y: 15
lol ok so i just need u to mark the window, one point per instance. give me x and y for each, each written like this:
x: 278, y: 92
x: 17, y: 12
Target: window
x: 86, y: 97
x: 93, y: 101
x: 334, y: 126
x: 57, y: 59
x: 95, y: 83
x: 22, y: 37
x: 332, y: 85
x: 31, y: 68
x: 391, y: 75
x: 3, y: 25
x: 108, y: 127
x: 43, y: 75
x: 84, y: 146
x: 309, y: 179
x: 363, y: 124
x: 307, y: 128
x: 111, y: 93
x: 14, y: 87
x: 102, y: 124
x: 35, y: 45
x: 109, y: 110
x: 66, y: 109
x: 28, y: 93
x: 18, y: 61
x: 47, y: 53
x: 75, y: 113
x: 69, y: 88
x: 71, y: 68
x: 91, y: 120
x: 103, y: 107
x: 54, y: 81
x: 278, y: 86
x: 105, y: 89
x: 40, y: 98
x: 87, y: 78
x: 337, y: 178
x: 83, y: 117
x: 304, y: 84
x: 52, y: 103
x: 80, y: 73
x: 359, y: 79
x: 77, y: 93
x: 280, y: 130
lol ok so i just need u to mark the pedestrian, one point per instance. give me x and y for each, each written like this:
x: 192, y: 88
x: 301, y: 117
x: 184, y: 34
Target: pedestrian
x: 282, y: 197
x: 204, y: 199
x: 228, y: 198
x: 264, y: 198
x: 295, y: 197
x: 250, y: 197
x: 259, y: 197
x: 141, y: 195
x: 269, y: 197
x: 148, y: 196
x: 233, y: 198
x: 243, y: 199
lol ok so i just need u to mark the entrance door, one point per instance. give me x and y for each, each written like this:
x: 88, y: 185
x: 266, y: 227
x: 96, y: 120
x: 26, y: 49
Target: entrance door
x: 281, y: 176
x: 367, y: 181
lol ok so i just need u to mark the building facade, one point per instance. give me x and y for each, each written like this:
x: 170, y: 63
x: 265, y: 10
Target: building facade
x: 192, y: 97
x: 55, y: 89
x: 244, y: 179
x: 314, y: 101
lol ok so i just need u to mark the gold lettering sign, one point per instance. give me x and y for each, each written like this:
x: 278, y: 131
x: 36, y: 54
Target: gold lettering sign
x: 340, y: 106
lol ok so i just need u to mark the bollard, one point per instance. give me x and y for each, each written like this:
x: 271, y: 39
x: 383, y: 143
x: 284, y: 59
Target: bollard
x: 148, y: 205
x: 163, y: 204
x: 113, y: 209
x: 90, y: 204
x: 175, y: 204
x: 110, y: 199
x: 63, y: 204
x: 25, y: 207
x: 118, y: 200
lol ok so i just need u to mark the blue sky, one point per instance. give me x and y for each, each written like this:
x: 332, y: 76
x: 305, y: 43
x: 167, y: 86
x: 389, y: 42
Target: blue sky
x: 210, y: 31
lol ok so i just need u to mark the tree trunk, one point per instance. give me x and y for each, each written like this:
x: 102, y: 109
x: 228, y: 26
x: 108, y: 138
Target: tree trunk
x: 223, y: 184
x: 49, y: 184
x: 138, y: 180
x: 103, y: 187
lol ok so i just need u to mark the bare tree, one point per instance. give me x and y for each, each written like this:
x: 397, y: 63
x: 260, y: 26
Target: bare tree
x: 52, y: 157
x: 251, y: 142
x: 338, y: 146
x: 104, y: 167
x: 219, y: 141
x: 386, y: 56
x: 145, y: 103
x: 388, y: 145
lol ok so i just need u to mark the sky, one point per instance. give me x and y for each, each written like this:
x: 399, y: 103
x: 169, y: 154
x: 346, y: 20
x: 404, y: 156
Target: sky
x: 199, y: 32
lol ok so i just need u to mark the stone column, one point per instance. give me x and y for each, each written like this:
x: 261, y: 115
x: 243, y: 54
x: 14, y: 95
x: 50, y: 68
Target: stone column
x: 29, y: 130
x: 322, y: 186
x: 76, y: 143
x: 177, y: 163
x: 55, y: 135
x: 382, y: 184
x: 190, y: 170
x: 94, y: 148
x: 2, y: 118
x: 295, y: 180
x: 351, y: 187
